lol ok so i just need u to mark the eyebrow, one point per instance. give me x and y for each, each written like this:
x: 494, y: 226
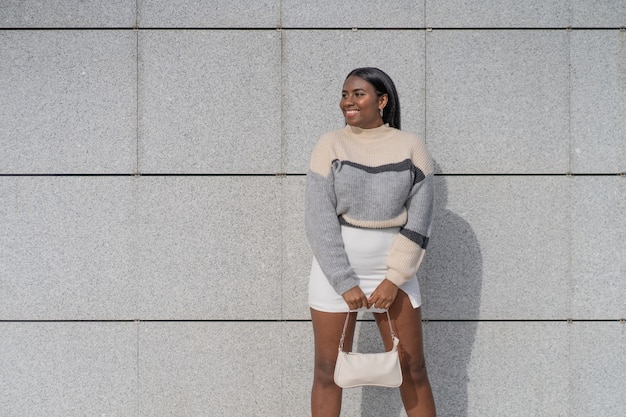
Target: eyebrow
x: 356, y: 89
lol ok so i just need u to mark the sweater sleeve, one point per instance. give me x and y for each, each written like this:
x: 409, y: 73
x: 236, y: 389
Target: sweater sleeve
x: 408, y: 249
x: 322, y: 223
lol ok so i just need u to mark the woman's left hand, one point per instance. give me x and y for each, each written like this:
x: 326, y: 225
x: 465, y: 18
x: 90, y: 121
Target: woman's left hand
x: 384, y: 295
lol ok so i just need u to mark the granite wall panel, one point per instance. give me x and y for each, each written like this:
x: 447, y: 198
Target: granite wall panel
x: 598, y: 13
x: 68, y: 102
x: 598, y: 101
x: 208, y: 14
x: 67, y: 13
x: 211, y: 369
x: 597, y: 367
x: 498, y: 101
x: 68, y: 369
x: 66, y: 248
x: 598, y: 248
x: 497, y: 14
x: 353, y: 14
x: 209, y: 248
x: 208, y: 108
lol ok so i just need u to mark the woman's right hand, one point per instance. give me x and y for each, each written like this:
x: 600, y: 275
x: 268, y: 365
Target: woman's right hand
x: 355, y: 298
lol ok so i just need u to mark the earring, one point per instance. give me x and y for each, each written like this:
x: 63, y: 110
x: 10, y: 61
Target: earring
x: 381, y: 112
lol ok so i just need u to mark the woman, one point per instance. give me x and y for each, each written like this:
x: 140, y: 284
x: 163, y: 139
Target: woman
x: 369, y: 198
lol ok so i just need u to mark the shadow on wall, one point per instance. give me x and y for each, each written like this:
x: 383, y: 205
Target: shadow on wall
x: 450, y: 281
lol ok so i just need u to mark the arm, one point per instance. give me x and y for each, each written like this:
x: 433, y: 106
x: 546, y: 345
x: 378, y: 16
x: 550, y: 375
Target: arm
x: 322, y: 223
x: 408, y: 250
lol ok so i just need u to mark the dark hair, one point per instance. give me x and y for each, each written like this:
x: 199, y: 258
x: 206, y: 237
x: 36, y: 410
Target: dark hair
x: 383, y: 85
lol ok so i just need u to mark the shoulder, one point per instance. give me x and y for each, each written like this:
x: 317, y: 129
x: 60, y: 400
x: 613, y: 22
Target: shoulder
x: 420, y: 155
x: 324, y: 151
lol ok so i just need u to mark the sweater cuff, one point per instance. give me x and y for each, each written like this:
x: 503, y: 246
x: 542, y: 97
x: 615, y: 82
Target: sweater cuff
x: 397, y: 277
x: 346, y: 284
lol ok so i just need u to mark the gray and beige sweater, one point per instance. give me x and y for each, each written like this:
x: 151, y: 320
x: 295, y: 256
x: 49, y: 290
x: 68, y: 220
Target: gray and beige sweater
x: 369, y: 178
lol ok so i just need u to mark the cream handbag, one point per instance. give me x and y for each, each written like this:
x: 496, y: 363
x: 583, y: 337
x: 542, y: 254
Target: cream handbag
x: 378, y: 369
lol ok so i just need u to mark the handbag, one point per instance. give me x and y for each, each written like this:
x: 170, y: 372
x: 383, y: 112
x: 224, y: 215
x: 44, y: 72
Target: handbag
x: 354, y: 369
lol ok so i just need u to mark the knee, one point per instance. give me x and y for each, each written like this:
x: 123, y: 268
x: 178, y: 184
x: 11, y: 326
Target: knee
x: 415, y: 369
x: 324, y: 372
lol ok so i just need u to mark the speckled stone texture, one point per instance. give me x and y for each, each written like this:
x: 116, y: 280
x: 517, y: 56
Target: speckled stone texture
x: 497, y: 13
x: 205, y: 108
x: 496, y: 103
x: 598, y: 101
x: 148, y: 247
x: 598, y: 248
x: 353, y: 14
x: 499, y: 249
x: 67, y: 13
x: 597, y: 369
x: 68, y: 102
x: 66, y: 248
x: 315, y: 66
x: 209, y: 248
x: 68, y: 369
x: 212, y: 369
x: 208, y: 14
x: 598, y: 13
x: 499, y: 368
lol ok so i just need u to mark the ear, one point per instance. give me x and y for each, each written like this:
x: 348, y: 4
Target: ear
x: 382, y: 101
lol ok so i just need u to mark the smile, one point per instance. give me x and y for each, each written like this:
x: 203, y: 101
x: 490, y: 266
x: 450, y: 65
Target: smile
x: 351, y: 112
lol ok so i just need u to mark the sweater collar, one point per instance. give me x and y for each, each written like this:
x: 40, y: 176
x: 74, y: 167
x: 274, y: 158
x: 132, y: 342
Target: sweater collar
x: 368, y: 134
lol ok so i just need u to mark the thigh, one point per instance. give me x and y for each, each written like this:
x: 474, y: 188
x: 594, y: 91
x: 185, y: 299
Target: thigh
x: 327, y: 329
x: 407, y: 325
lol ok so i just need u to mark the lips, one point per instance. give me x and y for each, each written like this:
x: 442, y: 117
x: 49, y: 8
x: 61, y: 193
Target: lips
x: 352, y: 112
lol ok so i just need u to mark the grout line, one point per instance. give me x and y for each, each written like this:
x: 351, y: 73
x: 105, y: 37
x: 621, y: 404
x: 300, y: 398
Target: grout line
x: 554, y: 28
x: 424, y: 320
x: 284, y: 174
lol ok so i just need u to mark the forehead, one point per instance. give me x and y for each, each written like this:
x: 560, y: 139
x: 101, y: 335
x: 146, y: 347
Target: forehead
x: 357, y: 83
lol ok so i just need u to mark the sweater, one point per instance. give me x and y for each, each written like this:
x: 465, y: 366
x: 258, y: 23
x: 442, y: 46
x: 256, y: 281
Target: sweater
x: 369, y: 178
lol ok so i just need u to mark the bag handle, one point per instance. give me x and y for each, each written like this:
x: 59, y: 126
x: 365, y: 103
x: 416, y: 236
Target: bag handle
x: 345, y: 326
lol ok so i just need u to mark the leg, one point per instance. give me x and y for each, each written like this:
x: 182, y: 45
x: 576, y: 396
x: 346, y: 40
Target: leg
x: 327, y: 327
x: 415, y: 390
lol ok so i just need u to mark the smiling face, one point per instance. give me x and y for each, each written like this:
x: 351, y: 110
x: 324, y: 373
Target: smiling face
x: 360, y: 104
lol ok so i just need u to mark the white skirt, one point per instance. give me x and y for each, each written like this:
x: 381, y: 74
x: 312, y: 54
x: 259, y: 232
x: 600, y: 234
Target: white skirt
x: 367, y: 251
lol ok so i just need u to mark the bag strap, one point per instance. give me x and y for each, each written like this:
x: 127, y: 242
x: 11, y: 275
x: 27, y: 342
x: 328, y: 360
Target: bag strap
x: 345, y: 326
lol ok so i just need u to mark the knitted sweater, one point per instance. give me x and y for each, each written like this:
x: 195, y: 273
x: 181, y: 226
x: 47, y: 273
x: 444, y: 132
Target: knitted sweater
x: 369, y: 178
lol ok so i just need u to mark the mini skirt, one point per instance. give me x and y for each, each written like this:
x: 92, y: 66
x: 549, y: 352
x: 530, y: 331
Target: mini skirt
x: 367, y: 251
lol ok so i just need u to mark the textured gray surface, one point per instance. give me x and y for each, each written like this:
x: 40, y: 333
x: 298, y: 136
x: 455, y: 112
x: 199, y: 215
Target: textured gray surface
x: 148, y: 247
x: 205, y: 108
x: 209, y: 248
x: 498, y: 101
x: 597, y: 369
x: 497, y: 13
x: 598, y: 13
x: 208, y: 14
x: 353, y: 13
x: 499, y: 369
x: 67, y: 13
x: 68, y: 102
x: 315, y: 66
x: 68, y: 369
x: 297, y: 254
x: 66, y: 248
x: 598, y: 248
x: 598, y: 101
x: 499, y: 249
x: 211, y: 369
